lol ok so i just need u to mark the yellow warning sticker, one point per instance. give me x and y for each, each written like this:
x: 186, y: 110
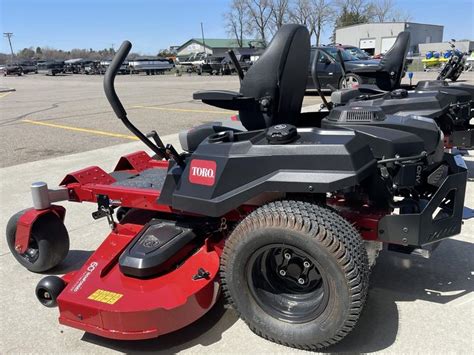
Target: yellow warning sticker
x: 105, y: 296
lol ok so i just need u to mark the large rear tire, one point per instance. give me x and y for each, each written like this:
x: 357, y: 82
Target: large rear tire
x: 48, y: 246
x: 297, y: 274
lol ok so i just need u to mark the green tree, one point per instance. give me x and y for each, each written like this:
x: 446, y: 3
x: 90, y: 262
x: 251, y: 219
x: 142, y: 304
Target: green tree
x: 348, y: 17
x: 26, y: 53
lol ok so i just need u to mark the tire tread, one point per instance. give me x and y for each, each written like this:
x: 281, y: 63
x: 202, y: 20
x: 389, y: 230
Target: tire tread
x: 340, y: 238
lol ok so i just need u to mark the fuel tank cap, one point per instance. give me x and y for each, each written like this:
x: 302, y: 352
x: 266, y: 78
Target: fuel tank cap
x: 281, y: 134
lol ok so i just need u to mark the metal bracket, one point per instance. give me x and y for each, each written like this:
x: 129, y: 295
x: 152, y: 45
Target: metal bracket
x: 201, y: 274
x: 172, y: 153
x: 104, y: 210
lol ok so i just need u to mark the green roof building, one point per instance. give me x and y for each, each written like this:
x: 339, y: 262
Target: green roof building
x: 214, y: 46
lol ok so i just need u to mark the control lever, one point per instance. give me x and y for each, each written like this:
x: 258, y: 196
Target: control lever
x: 341, y: 62
x: 317, y: 83
x: 154, y: 135
x: 172, y: 153
x: 236, y: 64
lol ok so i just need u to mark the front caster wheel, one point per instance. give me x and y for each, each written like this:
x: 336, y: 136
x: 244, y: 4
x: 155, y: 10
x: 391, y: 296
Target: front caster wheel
x: 48, y: 290
x: 297, y: 273
x: 48, y: 245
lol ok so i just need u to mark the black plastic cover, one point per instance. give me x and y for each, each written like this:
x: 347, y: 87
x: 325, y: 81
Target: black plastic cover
x: 387, y: 135
x: 221, y: 177
x: 152, y: 247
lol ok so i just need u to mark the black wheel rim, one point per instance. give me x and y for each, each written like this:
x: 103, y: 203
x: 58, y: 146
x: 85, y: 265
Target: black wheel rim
x: 287, y: 283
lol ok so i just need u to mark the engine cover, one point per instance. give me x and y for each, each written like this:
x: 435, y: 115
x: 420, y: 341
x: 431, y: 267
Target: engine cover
x: 388, y: 135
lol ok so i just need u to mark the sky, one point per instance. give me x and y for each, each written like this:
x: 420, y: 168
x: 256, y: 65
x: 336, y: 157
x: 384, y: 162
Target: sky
x: 157, y: 24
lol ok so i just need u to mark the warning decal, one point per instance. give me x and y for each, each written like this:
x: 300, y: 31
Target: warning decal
x: 105, y: 296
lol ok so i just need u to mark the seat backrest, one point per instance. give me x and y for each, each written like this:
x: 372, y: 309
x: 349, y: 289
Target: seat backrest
x: 277, y: 80
x: 393, y: 62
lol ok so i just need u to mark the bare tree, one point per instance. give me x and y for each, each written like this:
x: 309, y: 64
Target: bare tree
x: 322, y: 15
x: 260, y: 12
x: 358, y: 7
x: 237, y: 20
x: 280, y: 14
x: 385, y: 10
x: 382, y: 10
x: 302, y: 13
x: 400, y: 16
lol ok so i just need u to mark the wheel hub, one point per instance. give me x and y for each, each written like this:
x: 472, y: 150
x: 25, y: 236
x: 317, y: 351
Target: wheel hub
x: 32, y: 253
x: 286, y: 282
x: 294, y: 268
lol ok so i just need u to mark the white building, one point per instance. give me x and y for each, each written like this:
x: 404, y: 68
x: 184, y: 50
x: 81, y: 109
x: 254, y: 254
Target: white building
x: 377, y: 38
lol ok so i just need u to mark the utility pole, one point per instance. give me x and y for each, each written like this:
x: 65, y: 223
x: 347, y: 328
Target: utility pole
x: 203, y: 40
x: 9, y: 35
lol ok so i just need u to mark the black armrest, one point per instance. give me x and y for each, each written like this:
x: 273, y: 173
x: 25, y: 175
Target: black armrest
x: 370, y: 89
x: 367, y: 69
x: 229, y: 100
x: 364, y: 91
x: 216, y: 95
x: 342, y: 97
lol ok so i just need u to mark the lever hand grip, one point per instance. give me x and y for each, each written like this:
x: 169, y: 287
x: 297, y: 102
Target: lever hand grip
x: 109, y: 78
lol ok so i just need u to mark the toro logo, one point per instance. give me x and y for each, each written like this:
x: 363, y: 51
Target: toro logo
x: 202, y: 172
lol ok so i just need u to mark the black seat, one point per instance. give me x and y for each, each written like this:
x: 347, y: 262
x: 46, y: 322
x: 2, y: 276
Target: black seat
x: 273, y: 89
x: 392, y: 64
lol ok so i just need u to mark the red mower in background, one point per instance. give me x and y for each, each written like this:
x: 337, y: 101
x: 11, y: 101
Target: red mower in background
x: 284, y: 221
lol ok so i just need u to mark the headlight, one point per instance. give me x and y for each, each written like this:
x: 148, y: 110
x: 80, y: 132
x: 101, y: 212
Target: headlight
x: 455, y: 58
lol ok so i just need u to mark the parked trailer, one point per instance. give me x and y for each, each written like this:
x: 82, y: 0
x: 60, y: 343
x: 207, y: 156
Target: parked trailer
x: 77, y: 66
x: 11, y: 69
x: 150, y: 66
x: 124, y: 68
x: 28, y: 66
x: 192, y: 63
x: 51, y: 67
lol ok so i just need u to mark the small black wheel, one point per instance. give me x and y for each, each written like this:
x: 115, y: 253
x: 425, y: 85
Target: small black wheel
x: 297, y: 273
x: 48, y: 290
x: 48, y: 246
x: 351, y: 81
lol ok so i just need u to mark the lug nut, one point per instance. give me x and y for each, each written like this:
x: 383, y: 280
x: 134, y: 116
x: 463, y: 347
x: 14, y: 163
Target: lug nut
x: 282, y: 272
x: 301, y: 281
x: 287, y: 256
x: 306, y: 264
